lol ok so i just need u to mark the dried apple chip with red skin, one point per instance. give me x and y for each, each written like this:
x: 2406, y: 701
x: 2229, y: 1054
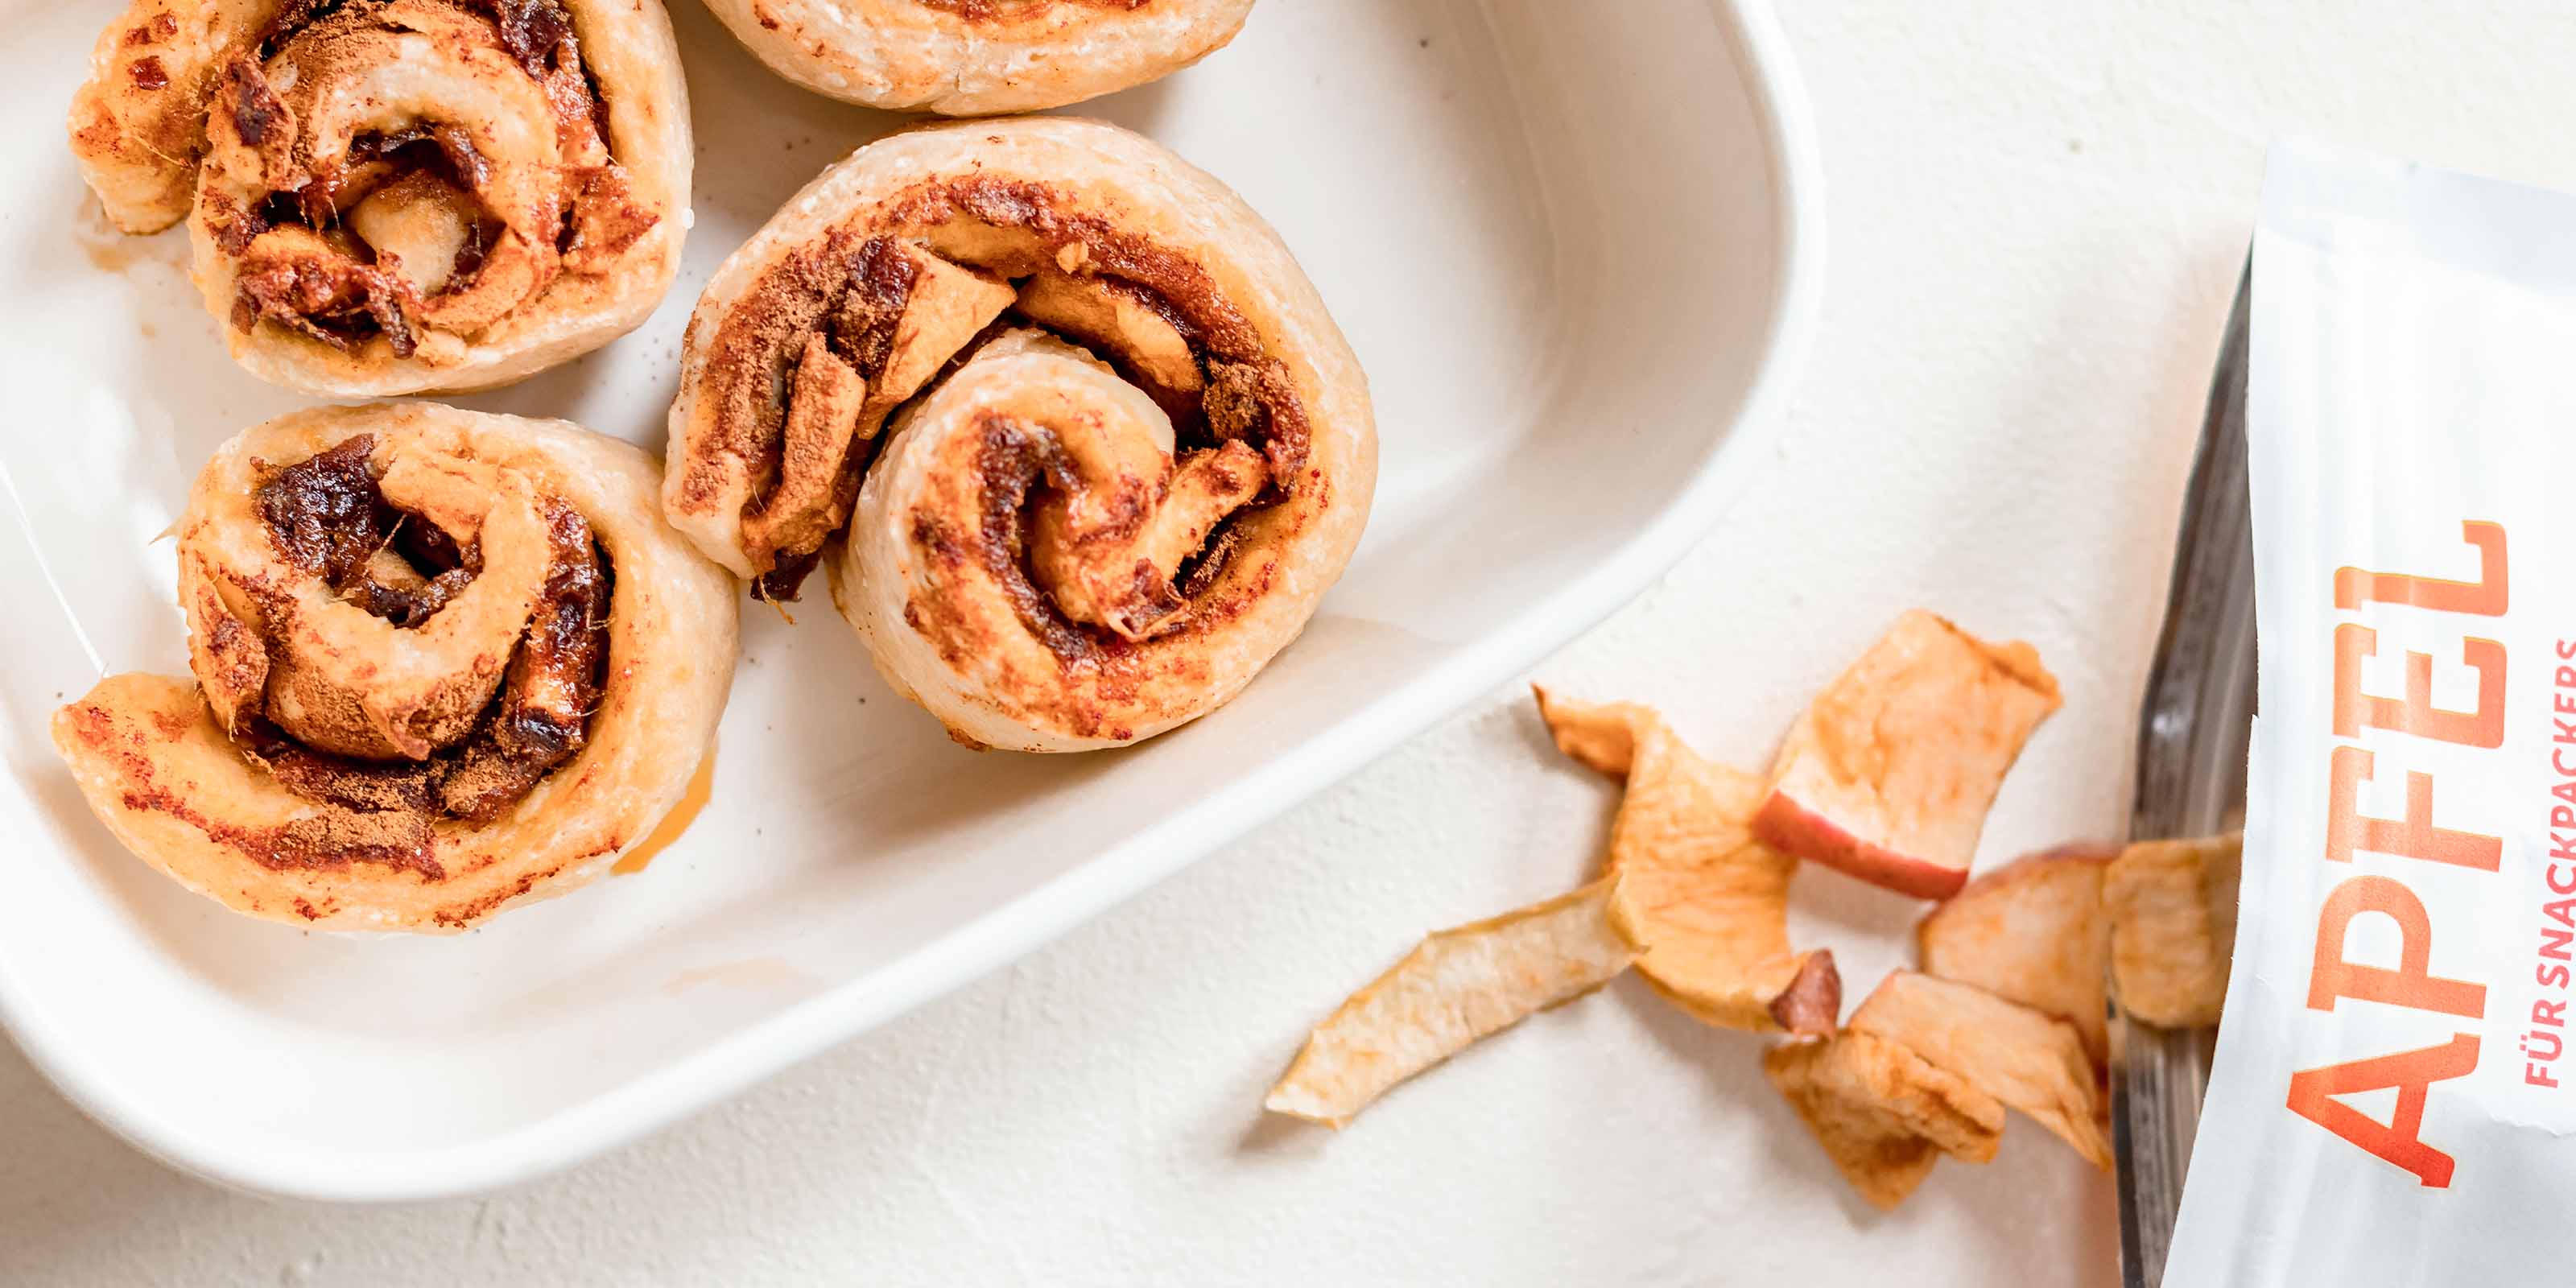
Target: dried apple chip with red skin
x: 1456, y: 987
x: 1889, y: 773
x: 2030, y: 1061
x: 2033, y: 932
x: 2172, y: 909
x: 1884, y: 1114
x: 1706, y: 904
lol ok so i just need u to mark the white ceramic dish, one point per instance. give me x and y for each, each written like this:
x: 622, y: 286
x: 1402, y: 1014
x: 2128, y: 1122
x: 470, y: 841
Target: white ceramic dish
x: 1573, y: 245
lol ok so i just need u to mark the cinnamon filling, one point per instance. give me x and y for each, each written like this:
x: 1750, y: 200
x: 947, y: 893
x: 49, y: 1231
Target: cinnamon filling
x: 843, y: 332
x: 355, y: 214
x: 328, y: 517
x: 1014, y: 460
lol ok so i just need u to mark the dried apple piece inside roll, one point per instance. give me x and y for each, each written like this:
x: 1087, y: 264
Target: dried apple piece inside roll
x: 390, y: 196
x: 1088, y: 442
x: 444, y: 662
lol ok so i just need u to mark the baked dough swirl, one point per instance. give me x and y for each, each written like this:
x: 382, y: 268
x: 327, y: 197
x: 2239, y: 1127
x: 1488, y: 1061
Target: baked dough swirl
x: 967, y: 57
x: 1125, y: 448
x: 444, y: 662
x: 391, y: 196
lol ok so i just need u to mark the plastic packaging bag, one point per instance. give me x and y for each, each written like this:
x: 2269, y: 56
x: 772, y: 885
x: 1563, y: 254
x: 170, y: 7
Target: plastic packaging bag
x: 2393, y: 1082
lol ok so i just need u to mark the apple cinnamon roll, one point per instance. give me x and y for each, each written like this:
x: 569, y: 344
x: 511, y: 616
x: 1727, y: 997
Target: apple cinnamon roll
x: 1095, y: 443
x: 444, y: 662
x: 391, y: 196
x: 968, y: 57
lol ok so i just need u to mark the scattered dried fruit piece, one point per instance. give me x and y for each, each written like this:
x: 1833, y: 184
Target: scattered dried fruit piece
x: 1458, y: 986
x: 1884, y: 1114
x: 2172, y: 908
x: 1707, y: 905
x: 1888, y: 775
x: 2030, y: 1061
x: 1812, y: 1001
x: 1602, y: 735
x: 2033, y: 932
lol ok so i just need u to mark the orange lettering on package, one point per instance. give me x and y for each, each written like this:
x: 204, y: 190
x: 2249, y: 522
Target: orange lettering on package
x: 2413, y: 983
x: 2333, y: 975
x: 2412, y: 1073
x: 2414, y: 837
x: 2484, y: 597
x: 2483, y: 727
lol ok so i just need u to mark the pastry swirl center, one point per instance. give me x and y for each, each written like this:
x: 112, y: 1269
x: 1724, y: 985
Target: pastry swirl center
x: 413, y: 170
x: 845, y: 333
x: 478, y: 661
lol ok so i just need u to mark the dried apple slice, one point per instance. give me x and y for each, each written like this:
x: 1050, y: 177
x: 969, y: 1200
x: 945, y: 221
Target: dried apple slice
x: 1889, y: 773
x: 2030, y: 1061
x: 1706, y: 904
x: 1458, y: 986
x: 2032, y: 931
x: 1884, y: 1114
x: 1601, y: 735
x: 2172, y: 908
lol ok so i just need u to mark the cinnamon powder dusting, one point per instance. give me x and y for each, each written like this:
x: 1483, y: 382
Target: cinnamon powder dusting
x: 328, y: 517
x: 847, y: 286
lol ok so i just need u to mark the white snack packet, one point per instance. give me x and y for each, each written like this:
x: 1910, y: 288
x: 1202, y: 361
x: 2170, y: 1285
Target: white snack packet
x: 2392, y: 1083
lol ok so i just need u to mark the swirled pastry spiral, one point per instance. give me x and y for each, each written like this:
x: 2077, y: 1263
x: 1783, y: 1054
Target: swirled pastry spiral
x: 967, y: 57
x: 1125, y: 449
x: 443, y: 661
x: 391, y: 196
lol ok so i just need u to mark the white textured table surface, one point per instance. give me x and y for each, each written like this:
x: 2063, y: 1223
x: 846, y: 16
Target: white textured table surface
x: 2036, y: 210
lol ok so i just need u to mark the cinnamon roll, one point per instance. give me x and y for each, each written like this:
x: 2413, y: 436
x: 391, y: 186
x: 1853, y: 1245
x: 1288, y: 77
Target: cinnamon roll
x: 444, y: 662
x: 967, y: 57
x: 391, y: 196
x: 1125, y: 448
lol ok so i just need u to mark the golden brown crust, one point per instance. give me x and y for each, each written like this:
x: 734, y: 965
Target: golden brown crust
x: 370, y: 749
x: 400, y: 195
x: 138, y: 123
x: 968, y: 57
x: 1051, y: 552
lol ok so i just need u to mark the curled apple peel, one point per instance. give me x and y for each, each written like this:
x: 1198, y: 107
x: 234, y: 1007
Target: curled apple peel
x: 1456, y: 987
x: 1705, y: 903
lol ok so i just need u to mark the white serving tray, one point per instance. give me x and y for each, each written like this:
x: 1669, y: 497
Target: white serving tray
x: 1574, y: 247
